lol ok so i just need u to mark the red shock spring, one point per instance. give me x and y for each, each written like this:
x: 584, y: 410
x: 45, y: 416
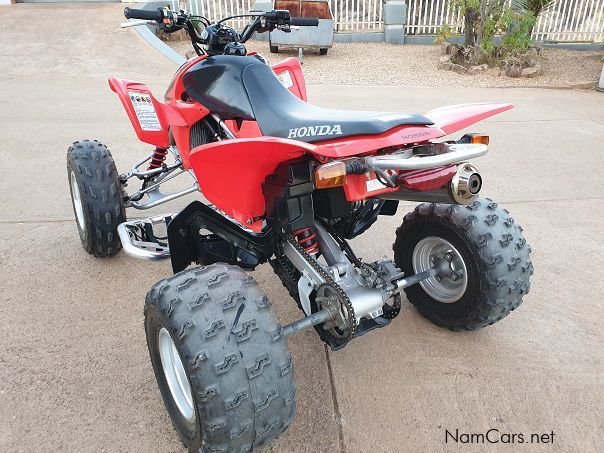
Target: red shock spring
x: 307, y: 240
x: 158, y: 158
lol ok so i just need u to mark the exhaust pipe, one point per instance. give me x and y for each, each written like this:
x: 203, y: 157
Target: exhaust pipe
x: 466, y: 183
x: 462, y: 189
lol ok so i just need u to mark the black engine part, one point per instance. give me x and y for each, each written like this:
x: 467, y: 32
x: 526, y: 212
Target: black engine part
x: 331, y: 203
x: 347, y: 218
x: 288, y: 195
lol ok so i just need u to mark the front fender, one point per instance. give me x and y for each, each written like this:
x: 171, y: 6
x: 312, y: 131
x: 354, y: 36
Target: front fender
x: 150, y: 118
x: 230, y: 173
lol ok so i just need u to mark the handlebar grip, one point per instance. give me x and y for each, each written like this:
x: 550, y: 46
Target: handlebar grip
x: 304, y: 22
x: 156, y: 15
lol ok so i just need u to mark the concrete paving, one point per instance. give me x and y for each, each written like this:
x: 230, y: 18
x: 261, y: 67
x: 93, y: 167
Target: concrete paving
x: 74, y: 370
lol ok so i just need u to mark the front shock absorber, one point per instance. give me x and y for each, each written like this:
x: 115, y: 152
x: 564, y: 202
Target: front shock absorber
x: 158, y: 158
x: 308, y: 240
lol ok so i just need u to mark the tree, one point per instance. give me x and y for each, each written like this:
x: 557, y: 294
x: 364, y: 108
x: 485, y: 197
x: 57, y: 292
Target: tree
x: 476, y: 15
x: 470, y: 11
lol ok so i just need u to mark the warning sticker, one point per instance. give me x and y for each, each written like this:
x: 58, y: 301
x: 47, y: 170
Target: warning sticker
x: 286, y: 79
x: 145, y: 111
x: 373, y: 184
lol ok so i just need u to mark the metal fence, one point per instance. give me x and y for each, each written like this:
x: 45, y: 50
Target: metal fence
x: 357, y: 15
x: 349, y: 15
x: 567, y: 20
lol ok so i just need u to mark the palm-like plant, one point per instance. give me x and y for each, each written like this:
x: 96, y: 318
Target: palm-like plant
x: 534, y: 6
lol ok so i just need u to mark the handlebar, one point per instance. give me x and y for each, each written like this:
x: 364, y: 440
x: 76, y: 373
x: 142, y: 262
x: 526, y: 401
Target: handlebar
x: 304, y: 22
x: 156, y: 15
x: 173, y: 21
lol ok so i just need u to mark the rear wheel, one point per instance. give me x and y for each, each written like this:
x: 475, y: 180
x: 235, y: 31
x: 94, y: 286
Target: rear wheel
x: 220, y: 359
x: 96, y: 195
x: 323, y: 51
x: 487, y: 255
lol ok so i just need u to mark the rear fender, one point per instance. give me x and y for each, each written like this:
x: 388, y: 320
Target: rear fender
x: 150, y: 118
x: 230, y: 173
x: 447, y: 120
x: 369, y: 144
x: 456, y: 117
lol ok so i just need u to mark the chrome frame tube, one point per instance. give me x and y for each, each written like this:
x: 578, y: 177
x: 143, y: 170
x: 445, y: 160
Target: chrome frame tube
x: 165, y: 198
x: 141, y: 249
x: 224, y: 127
x: 458, y: 152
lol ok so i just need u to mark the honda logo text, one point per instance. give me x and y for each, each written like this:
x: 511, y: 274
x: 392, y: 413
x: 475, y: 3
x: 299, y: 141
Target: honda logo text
x: 313, y: 131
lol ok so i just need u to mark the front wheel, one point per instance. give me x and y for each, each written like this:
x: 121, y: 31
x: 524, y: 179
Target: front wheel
x: 220, y: 359
x: 486, y: 253
x: 96, y: 195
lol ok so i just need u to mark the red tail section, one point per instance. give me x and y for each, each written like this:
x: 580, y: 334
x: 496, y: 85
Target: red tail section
x: 456, y: 117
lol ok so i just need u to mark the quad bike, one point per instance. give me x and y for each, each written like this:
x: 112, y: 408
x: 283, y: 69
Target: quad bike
x: 286, y: 183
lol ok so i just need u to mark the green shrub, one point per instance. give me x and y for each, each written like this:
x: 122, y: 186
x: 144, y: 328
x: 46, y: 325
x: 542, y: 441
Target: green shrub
x: 491, y: 18
x: 516, y: 30
x: 445, y: 33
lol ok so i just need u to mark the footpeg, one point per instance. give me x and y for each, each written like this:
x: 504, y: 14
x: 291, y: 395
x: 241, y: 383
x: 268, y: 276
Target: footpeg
x: 146, y: 238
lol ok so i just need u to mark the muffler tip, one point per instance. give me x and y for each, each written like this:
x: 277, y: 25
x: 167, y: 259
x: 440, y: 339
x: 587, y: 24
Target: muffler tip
x: 466, y: 184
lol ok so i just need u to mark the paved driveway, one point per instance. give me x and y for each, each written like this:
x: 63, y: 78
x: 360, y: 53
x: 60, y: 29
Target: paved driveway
x: 74, y: 370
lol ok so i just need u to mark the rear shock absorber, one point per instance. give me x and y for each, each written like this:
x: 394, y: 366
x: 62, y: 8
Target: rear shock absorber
x: 308, y: 240
x: 158, y: 158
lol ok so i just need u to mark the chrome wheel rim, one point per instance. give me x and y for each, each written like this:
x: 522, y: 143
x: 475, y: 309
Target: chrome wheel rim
x: 77, y: 201
x: 175, y: 375
x: 442, y: 289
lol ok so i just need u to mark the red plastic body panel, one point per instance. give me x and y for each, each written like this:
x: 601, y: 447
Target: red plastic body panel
x: 176, y: 87
x: 369, y: 144
x: 177, y: 116
x: 456, y: 117
x: 290, y: 70
x: 231, y: 173
x: 192, y: 112
x: 166, y: 115
x: 356, y: 187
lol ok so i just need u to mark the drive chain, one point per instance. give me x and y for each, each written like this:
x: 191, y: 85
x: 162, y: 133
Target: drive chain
x: 343, y: 297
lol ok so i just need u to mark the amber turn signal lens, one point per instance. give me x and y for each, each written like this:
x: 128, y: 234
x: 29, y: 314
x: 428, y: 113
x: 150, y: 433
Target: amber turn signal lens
x: 329, y: 175
x: 480, y: 139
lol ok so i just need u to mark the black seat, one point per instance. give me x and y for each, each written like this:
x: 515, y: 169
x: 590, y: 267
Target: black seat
x: 279, y: 113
